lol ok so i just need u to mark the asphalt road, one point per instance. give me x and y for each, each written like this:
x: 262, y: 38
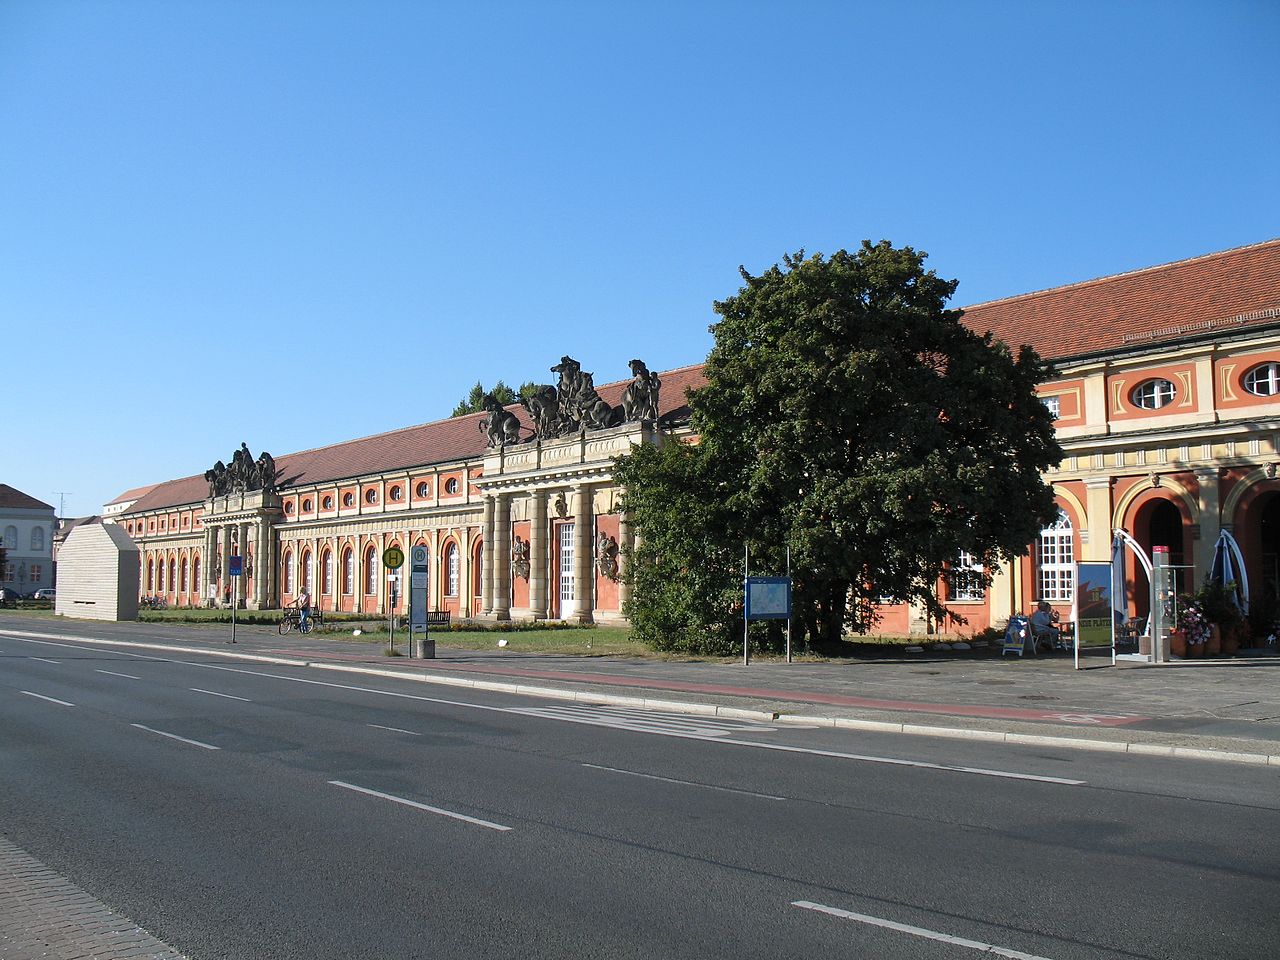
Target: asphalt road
x: 243, y: 810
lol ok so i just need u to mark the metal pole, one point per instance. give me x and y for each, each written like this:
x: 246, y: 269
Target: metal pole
x: 746, y: 568
x: 235, y: 593
x: 788, y: 603
x: 391, y: 614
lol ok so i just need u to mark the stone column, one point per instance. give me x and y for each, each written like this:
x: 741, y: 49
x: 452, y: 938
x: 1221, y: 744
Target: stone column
x: 583, y: 554
x: 207, y: 561
x: 500, y: 558
x: 225, y: 579
x: 486, y: 559
x: 538, y: 573
x: 1098, y: 522
x: 245, y: 584
x: 1209, y: 505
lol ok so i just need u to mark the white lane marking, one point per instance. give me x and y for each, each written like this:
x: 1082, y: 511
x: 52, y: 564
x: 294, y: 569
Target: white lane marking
x: 174, y: 736
x: 420, y: 806
x: 73, y: 646
x: 215, y: 693
x: 44, y: 660
x: 41, y: 696
x: 917, y: 931
x: 687, y: 783
x: 892, y: 761
x: 127, y: 676
x: 783, y: 748
x: 393, y: 729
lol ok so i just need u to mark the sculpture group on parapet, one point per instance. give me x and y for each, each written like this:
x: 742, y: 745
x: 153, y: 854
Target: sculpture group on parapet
x: 572, y: 405
x: 244, y: 474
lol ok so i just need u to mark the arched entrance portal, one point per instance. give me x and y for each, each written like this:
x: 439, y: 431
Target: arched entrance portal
x: 1159, y: 523
x: 1268, y: 572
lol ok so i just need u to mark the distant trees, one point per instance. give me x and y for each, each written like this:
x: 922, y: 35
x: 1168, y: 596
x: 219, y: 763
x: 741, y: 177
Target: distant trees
x: 850, y: 415
x: 501, y: 392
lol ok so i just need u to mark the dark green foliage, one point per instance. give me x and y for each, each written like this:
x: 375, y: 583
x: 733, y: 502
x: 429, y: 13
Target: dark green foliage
x: 685, y: 584
x: 501, y: 392
x: 849, y: 414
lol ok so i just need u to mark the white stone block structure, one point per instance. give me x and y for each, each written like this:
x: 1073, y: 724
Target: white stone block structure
x: 98, y: 574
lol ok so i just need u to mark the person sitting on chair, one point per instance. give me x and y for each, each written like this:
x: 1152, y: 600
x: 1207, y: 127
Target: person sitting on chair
x: 1044, y: 625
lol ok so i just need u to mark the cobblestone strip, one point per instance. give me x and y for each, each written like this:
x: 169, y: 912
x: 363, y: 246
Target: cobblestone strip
x: 46, y: 917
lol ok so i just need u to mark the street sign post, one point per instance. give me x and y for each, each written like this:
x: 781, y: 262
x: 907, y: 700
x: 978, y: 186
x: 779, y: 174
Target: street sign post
x: 393, y: 559
x: 235, y: 565
x: 418, y: 619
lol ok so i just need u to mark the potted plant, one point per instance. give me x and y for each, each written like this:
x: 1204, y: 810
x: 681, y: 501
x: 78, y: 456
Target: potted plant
x: 1195, y: 626
x: 1217, y: 603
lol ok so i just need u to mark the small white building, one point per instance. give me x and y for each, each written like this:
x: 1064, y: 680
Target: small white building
x: 98, y: 574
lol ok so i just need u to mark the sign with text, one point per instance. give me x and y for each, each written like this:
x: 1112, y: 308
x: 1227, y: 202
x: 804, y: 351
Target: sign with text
x: 768, y: 598
x: 235, y: 566
x: 1095, y: 618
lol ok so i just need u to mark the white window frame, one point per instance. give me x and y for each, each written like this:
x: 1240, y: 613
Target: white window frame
x: 1055, y: 562
x: 566, y: 565
x: 1263, y: 380
x: 1154, y: 393
x: 37, y: 538
x: 370, y: 571
x: 964, y: 579
x: 1054, y: 405
x: 452, y: 569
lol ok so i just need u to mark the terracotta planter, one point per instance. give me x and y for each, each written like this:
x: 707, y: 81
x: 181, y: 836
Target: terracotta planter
x: 1195, y: 651
x: 1214, y: 645
x: 1178, y: 643
x: 1231, y: 642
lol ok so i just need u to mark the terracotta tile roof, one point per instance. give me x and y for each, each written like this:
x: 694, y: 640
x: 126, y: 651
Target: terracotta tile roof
x: 1222, y: 291
x: 133, y: 494
x: 444, y: 441
x: 17, y: 500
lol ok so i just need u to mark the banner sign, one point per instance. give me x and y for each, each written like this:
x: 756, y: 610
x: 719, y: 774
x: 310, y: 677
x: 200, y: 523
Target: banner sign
x: 768, y: 598
x: 1095, y: 618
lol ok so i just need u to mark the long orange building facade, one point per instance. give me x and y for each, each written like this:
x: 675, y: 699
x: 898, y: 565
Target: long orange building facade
x: 1167, y: 405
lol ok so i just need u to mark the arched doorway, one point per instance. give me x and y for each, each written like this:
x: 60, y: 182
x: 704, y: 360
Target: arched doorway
x: 1268, y: 573
x: 1158, y: 522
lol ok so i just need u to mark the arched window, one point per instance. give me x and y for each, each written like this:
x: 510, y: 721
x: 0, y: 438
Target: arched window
x: 288, y: 572
x: 326, y: 573
x: 348, y: 572
x: 37, y: 538
x: 11, y: 537
x: 182, y: 576
x: 151, y: 576
x: 1055, y: 556
x: 451, y: 569
x: 195, y: 575
x: 370, y: 571
x: 173, y: 574
x: 964, y: 578
x: 305, y: 570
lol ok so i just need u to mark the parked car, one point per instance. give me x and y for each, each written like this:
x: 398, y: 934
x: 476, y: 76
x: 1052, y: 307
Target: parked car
x: 46, y: 594
x: 9, y: 597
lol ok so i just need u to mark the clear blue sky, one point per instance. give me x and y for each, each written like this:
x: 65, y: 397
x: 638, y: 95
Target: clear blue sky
x: 298, y: 223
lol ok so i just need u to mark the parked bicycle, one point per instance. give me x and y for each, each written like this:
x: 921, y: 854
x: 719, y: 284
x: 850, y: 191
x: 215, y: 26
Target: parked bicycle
x: 154, y: 603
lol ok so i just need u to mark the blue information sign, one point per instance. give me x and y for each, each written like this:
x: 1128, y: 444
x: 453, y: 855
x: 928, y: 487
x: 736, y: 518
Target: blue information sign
x: 235, y: 566
x: 768, y: 598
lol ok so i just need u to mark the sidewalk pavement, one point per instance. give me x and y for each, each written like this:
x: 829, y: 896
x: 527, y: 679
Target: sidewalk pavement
x: 1221, y: 709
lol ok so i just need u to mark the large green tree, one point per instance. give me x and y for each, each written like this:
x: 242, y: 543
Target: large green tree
x: 850, y: 415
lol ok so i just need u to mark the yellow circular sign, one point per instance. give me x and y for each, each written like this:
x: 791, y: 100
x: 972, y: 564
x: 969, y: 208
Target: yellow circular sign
x: 393, y: 558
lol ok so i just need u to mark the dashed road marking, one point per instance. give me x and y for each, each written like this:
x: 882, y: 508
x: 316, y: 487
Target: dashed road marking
x: 41, y: 696
x: 174, y: 736
x: 917, y: 931
x: 215, y: 693
x: 687, y: 783
x: 421, y: 806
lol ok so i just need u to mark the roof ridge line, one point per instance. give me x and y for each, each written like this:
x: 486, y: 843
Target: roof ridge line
x: 1126, y: 273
